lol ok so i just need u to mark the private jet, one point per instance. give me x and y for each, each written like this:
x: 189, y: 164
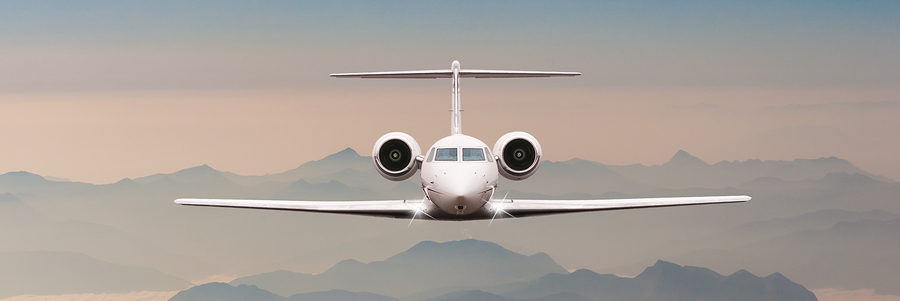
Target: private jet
x: 459, y: 173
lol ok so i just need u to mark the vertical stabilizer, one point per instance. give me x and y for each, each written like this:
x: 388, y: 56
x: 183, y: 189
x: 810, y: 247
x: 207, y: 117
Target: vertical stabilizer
x: 455, y: 120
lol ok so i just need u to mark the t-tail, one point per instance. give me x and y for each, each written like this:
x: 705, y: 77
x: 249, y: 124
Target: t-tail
x: 455, y: 73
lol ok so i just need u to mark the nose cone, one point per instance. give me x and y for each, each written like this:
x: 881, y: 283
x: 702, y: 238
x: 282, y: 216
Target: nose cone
x: 460, y: 195
x: 461, y: 203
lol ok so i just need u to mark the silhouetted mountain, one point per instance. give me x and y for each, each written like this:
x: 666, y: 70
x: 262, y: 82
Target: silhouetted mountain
x: 478, y: 295
x: 218, y: 291
x: 56, y: 179
x: 198, y: 179
x: 19, y: 179
x: 663, y: 281
x: 666, y: 281
x: 462, y: 263
x: 345, y: 159
x: 683, y: 159
x: 339, y: 295
x: 473, y: 295
x: 26, y: 182
x: 134, y: 222
x: 685, y: 170
x: 46, y: 273
x: 814, y: 255
x: 574, y: 176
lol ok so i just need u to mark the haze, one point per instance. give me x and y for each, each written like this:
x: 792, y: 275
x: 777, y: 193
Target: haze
x: 100, y: 91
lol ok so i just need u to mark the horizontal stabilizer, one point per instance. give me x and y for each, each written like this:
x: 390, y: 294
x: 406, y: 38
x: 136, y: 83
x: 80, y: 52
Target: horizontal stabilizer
x: 447, y: 73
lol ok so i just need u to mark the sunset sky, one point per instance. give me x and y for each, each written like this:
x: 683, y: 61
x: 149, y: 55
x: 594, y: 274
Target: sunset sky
x: 96, y: 91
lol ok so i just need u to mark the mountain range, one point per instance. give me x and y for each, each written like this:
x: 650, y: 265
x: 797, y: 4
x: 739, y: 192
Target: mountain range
x: 805, y: 207
x: 49, y: 273
x: 479, y: 270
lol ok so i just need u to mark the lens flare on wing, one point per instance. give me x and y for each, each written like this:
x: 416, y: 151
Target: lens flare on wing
x: 498, y: 208
x: 418, y: 209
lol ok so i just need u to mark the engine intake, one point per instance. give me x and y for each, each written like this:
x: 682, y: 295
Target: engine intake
x: 519, y: 155
x: 395, y: 155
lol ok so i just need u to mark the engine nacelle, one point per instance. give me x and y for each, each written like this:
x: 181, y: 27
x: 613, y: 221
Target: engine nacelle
x: 395, y: 155
x: 519, y: 155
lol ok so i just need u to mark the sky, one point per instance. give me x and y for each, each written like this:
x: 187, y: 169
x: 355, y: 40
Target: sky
x: 97, y: 91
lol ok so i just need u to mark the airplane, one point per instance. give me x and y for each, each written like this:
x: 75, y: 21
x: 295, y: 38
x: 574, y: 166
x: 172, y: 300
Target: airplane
x: 459, y: 173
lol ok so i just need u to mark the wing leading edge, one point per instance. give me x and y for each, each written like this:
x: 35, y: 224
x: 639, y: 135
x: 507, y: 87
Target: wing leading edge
x: 513, y: 207
x: 521, y: 208
x: 386, y: 208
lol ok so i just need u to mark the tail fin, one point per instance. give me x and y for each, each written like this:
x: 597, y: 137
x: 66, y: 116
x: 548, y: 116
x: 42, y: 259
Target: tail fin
x: 455, y: 73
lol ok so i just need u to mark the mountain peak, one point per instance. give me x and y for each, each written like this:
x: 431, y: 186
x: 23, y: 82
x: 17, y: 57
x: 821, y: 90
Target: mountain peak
x: 742, y: 274
x: 20, y: 179
x: 345, y: 153
x: 585, y: 273
x: 662, y: 264
x: 683, y: 158
x: 777, y: 277
x: 224, y: 291
x: 456, y: 248
x: 22, y: 175
x: 660, y: 268
x: 198, y: 168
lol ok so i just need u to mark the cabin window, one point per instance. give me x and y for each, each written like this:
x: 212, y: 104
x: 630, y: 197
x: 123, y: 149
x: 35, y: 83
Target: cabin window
x: 430, y: 155
x: 473, y: 154
x: 446, y: 154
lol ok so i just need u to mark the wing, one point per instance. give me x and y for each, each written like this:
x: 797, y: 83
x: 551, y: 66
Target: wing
x: 392, y: 208
x: 520, y: 208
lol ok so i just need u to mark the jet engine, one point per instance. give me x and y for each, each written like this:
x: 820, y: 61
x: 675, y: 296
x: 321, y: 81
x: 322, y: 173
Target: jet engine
x: 395, y: 155
x: 519, y: 155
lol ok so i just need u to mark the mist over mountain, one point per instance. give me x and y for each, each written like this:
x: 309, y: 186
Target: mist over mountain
x: 667, y: 281
x: 832, y: 257
x: 48, y: 273
x: 427, y: 265
x: 452, y: 271
x: 217, y: 291
x: 795, y: 206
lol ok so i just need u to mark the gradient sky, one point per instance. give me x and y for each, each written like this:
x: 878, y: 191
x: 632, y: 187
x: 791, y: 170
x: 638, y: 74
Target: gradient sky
x: 101, y: 90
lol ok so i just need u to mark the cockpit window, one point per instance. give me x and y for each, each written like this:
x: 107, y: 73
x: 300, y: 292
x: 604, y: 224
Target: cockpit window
x: 446, y: 154
x: 430, y: 155
x: 473, y: 154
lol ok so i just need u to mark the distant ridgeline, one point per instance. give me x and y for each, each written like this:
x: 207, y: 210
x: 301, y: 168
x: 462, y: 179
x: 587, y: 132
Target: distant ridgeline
x: 479, y: 270
x: 808, y: 218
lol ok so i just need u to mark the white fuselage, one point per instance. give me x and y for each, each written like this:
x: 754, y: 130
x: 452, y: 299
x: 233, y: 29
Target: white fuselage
x: 459, y: 187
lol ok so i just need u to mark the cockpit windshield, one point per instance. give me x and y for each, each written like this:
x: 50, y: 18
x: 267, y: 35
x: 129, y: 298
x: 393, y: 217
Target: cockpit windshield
x: 473, y: 154
x: 446, y: 154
